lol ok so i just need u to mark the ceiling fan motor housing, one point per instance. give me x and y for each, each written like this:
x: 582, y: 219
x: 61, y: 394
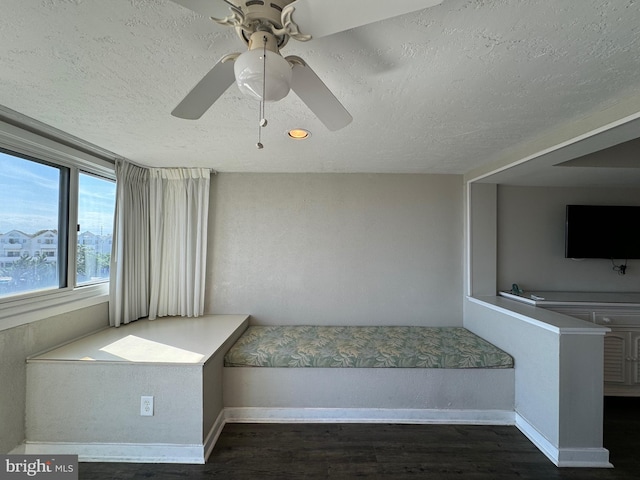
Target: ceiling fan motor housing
x: 261, y: 14
x: 261, y: 40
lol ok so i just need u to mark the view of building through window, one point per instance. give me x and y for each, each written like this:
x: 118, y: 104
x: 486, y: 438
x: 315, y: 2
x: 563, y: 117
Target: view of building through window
x: 96, y: 202
x: 34, y: 220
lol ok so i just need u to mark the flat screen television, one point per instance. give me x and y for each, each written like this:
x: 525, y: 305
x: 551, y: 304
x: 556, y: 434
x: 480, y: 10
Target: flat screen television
x: 602, y: 231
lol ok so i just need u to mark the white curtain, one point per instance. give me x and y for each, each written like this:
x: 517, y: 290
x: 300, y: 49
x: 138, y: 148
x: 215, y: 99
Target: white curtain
x: 129, y: 277
x: 178, y: 225
x: 159, y: 249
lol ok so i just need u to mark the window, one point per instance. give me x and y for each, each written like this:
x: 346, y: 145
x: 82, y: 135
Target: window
x: 96, y: 203
x: 32, y: 201
x: 46, y: 207
x: 37, y: 160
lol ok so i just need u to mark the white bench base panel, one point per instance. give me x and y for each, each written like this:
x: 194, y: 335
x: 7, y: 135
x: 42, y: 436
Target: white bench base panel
x: 370, y: 388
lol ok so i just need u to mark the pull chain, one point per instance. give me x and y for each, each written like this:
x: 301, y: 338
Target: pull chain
x: 262, y: 121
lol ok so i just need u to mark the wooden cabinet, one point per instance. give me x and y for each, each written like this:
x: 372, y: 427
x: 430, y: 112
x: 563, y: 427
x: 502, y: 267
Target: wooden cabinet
x: 621, y: 346
x: 616, y: 354
x: 621, y: 362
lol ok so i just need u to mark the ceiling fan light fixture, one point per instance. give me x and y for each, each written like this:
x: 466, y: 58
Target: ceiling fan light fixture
x: 299, y: 133
x: 251, y: 68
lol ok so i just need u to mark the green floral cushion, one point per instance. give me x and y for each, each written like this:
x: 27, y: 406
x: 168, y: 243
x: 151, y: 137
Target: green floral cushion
x: 364, y: 347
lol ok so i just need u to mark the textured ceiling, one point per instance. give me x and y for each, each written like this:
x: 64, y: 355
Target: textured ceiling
x: 441, y: 91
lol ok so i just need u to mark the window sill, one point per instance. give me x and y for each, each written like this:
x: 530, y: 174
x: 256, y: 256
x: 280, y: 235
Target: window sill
x: 23, y: 311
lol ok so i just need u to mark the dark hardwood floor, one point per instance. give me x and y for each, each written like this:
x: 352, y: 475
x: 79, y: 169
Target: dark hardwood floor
x: 345, y: 451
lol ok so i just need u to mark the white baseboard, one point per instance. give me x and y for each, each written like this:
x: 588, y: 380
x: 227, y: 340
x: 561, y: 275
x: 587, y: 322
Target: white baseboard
x: 119, y: 452
x: 564, y: 457
x: 130, y: 452
x: 367, y: 415
x: 198, y: 454
x: 213, y: 435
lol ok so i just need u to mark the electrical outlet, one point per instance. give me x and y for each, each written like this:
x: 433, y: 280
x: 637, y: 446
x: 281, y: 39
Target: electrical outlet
x: 146, y: 406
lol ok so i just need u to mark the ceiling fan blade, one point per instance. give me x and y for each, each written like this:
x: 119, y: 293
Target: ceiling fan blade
x: 208, y: 8
x: 207, y: 90
x: 315, y: 94
x: 320, y: 18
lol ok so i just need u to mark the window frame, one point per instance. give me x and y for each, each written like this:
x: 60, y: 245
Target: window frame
x: 33, y: 306
x: 78, y: 232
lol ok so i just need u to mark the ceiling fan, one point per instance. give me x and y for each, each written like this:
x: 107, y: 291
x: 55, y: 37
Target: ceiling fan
x: 266, y: 26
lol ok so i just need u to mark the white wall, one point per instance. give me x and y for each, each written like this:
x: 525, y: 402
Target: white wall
x: 16, y: 344
x: 558, y: 359
x: 531, y: 241
x: 483, y: 250
x: 101, y: 403
x: 357, y: 249
x: 535, y: 350
x: 558, y: 379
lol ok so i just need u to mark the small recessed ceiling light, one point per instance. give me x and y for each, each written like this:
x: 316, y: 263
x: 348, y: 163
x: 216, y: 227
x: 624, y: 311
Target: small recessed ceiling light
x: 299, y: 133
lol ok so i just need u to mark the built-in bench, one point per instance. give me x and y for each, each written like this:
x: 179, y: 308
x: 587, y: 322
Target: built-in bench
x: 364, y: 347
x: 86, y: 397
x: 386, y: 373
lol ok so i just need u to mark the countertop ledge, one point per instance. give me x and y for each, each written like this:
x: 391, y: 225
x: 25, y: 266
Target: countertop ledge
x: 166, y: 340
x: 541, y: 317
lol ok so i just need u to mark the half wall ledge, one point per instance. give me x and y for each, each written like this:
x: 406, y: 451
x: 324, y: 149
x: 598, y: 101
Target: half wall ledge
x: 559, y: 376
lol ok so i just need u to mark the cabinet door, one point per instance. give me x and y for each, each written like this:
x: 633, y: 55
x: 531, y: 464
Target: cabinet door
x: 615, y: 357
x: 634, y: 356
